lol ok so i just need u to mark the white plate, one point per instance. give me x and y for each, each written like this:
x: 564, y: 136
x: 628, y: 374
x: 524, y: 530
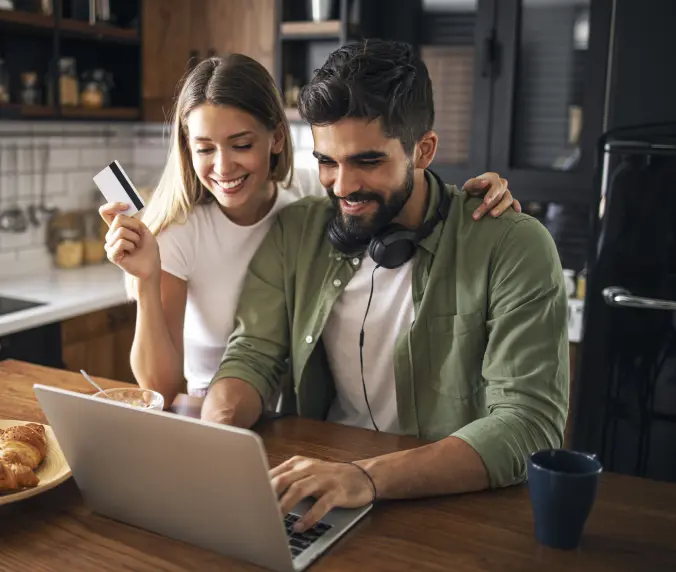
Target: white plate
x: 52, y: 471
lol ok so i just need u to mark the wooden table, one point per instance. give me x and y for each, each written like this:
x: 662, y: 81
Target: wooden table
x: 632, y: 526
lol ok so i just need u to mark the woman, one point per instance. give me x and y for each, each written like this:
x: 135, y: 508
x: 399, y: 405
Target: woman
x: 229, y: 171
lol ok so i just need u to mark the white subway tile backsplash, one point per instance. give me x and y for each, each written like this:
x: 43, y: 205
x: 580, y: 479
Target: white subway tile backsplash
x: 15, y: 240
x: 79, y: 186
x: 4, y: 187
x: 25, y: 185
x: 150, y: 156
x: 55, y: 183
x: 123, y: 154
x: 15, y: 126
x: 41, y: 156
x: 95, y: 159
x: 34, y: 256
x: 25, y: 159
x: 63, y: 159
x: 146, y: 176
x: 69, y: 155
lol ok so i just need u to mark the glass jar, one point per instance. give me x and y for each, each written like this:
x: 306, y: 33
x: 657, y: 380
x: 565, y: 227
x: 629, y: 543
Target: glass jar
x: 69, y: 90
x: 94, y: 243
x: 96, y: 86
x: 91, y: 96
x: 4, y: 82
x: 581, y: 284
x: 30, y: 94
x: 69, y: 248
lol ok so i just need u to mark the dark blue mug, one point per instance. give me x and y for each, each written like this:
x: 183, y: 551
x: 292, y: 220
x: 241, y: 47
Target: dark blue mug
x: 562, y: 486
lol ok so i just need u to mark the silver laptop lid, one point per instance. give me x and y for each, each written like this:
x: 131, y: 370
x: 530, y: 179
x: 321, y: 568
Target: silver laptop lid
x: 195, y: 481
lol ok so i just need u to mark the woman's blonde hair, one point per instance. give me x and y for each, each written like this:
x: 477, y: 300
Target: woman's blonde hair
x: 235, y: 80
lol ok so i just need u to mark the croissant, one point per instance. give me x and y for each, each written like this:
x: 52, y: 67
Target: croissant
x: 24, y: 445
x: 22, y: 449
x: 13, y: 477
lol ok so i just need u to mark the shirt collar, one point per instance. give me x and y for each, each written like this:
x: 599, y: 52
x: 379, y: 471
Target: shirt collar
x: 431, y: 242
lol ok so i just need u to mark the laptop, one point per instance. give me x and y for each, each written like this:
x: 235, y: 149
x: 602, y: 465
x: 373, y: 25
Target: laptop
x: 199, y: 482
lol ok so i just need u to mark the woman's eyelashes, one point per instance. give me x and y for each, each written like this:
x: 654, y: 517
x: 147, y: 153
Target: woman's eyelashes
x: 207, y: 150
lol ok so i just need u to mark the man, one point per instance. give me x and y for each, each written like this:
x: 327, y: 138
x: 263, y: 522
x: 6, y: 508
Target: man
x: 464, y: 344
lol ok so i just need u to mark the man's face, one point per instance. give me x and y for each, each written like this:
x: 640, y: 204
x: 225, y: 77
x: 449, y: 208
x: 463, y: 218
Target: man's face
x: 367, y: 175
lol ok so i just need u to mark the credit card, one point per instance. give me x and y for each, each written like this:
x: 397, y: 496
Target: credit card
x: 116, y: 186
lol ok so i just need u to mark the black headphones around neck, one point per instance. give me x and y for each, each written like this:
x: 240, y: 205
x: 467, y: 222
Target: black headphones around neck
x: 394, y: 245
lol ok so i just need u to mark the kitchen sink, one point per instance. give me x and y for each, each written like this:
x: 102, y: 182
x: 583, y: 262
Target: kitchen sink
x: 11, y: 305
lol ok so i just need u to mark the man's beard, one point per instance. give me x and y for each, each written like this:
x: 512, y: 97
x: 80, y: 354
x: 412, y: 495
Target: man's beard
x: 360, y: 229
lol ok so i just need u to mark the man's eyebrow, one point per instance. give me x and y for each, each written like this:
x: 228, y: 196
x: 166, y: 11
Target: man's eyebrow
x: 364, y: 156
x: 367, y: 156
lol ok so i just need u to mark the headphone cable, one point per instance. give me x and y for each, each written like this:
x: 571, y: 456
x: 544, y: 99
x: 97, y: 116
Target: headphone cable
x: 361, y: 348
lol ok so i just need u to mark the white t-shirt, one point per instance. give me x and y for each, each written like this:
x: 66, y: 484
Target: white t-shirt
x: 391, y: 312
x: 212, y: 254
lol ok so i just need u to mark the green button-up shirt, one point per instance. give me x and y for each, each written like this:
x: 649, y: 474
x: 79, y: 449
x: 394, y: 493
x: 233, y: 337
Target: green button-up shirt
x: 485, y: 360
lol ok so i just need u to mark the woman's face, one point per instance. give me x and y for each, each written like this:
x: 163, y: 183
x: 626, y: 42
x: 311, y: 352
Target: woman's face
x: 230, y: 153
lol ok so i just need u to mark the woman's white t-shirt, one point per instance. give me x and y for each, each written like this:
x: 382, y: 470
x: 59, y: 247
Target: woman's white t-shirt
x: 212, y: 254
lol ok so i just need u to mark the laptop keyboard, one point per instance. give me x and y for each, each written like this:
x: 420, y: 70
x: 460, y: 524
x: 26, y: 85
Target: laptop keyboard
x: 300, y: 541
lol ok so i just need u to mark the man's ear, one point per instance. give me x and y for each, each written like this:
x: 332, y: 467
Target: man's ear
x: 278, y: 140
x: 425, y: 150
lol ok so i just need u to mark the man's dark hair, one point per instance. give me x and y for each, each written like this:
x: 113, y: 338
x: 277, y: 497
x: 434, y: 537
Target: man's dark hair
x: 372, y: 79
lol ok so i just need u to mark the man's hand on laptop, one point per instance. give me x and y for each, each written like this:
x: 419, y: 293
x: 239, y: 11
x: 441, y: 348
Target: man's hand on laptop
x: 330, y: 484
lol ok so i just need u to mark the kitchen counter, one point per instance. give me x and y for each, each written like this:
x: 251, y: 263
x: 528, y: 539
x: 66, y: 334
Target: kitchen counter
x: 65, y: 294
x: 70, y: 293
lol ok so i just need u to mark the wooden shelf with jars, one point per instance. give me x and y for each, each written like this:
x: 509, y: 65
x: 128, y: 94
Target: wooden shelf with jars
x: 101, y: 32
x: 58, y: 60
x: 121, y: 113
x: 18, y: 111
x: 19, y: 19
x: 68, y: 27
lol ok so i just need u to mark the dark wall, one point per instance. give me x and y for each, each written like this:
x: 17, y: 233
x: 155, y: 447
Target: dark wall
x: 643, y: 82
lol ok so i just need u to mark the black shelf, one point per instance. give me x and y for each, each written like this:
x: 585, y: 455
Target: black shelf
x: 36, y: 42
x: 98, y: 32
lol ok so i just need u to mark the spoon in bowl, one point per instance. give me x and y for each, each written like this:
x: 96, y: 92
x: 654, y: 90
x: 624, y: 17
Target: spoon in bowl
x: 96, y: 385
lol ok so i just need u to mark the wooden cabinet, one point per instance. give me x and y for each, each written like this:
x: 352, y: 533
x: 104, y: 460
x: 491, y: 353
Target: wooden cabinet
x: 40, y: 345
x: 220, y: 26
x: 178, y: 34
x: 165, y: 53
x: 100, y: 342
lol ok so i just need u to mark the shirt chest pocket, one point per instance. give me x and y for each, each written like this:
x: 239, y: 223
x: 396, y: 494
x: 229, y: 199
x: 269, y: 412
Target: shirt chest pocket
x: 456, y: 348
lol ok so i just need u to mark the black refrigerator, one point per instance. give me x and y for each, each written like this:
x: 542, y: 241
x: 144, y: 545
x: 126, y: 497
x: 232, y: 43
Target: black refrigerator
x: 624, y: 402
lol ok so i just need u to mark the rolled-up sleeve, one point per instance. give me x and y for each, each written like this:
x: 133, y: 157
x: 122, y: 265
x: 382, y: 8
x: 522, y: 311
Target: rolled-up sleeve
x: 525, y: 364
x: 259, y: 345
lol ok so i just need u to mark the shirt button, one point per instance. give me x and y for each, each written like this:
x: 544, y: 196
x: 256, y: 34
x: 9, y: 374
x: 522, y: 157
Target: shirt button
x: 308, y: 339
x: 355, y: 261
x: 337, y: 282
